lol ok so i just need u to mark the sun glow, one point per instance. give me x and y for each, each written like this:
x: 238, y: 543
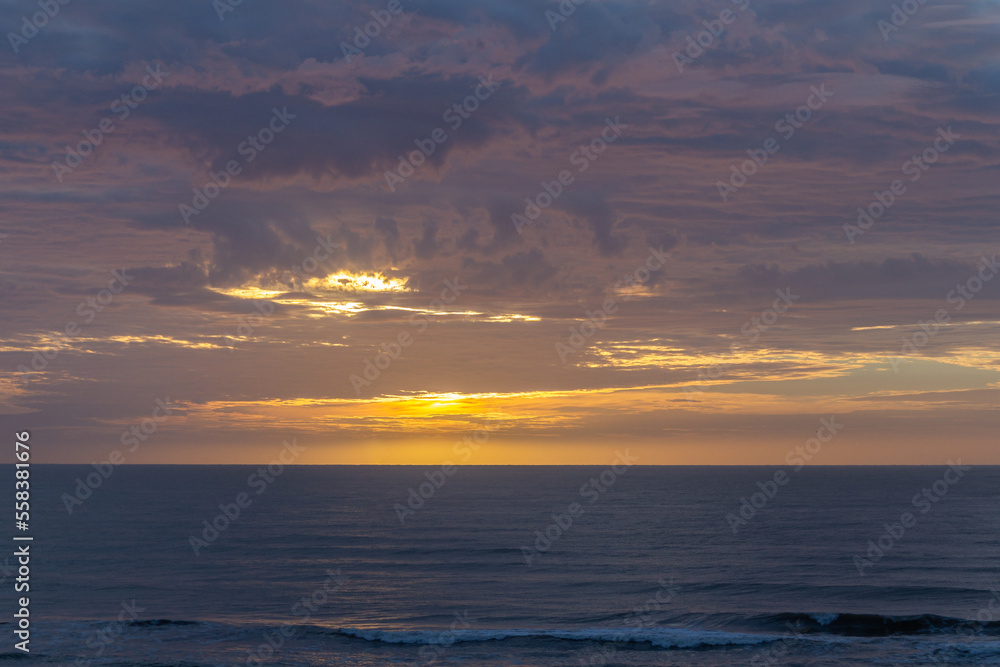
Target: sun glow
x: 359, y: 282
x: 249, y: 292
x: 341, y: 282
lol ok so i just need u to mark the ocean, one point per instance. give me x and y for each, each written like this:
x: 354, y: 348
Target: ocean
x: 512, y: 565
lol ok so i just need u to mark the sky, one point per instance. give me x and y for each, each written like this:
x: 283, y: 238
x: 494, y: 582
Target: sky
x: 703, y: 232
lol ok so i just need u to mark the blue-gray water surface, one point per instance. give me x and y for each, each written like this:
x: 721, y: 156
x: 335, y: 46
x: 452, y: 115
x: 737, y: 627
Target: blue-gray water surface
x: 519, y: 565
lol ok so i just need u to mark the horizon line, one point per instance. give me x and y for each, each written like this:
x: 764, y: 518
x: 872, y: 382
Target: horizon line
x: 540, y: 465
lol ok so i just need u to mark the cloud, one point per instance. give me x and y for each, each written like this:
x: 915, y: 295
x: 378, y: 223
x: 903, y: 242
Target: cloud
x: 388, y: 229
x: 513, y: 273
x: 427, y: 246
x: 320, y: 183
x: 914, y: 277
x: 595, y: 211
x: 361, y: 137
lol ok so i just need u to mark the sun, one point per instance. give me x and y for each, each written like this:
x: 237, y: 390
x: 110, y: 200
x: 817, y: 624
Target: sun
x: 360, y: 282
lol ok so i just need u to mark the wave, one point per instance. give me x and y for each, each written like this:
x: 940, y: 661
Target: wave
x: 157, y: 622
x: 662, y: 637
x: 659, y: 636
x: 873, y: 625
x: 687, y: 631
x: 656, y: 636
